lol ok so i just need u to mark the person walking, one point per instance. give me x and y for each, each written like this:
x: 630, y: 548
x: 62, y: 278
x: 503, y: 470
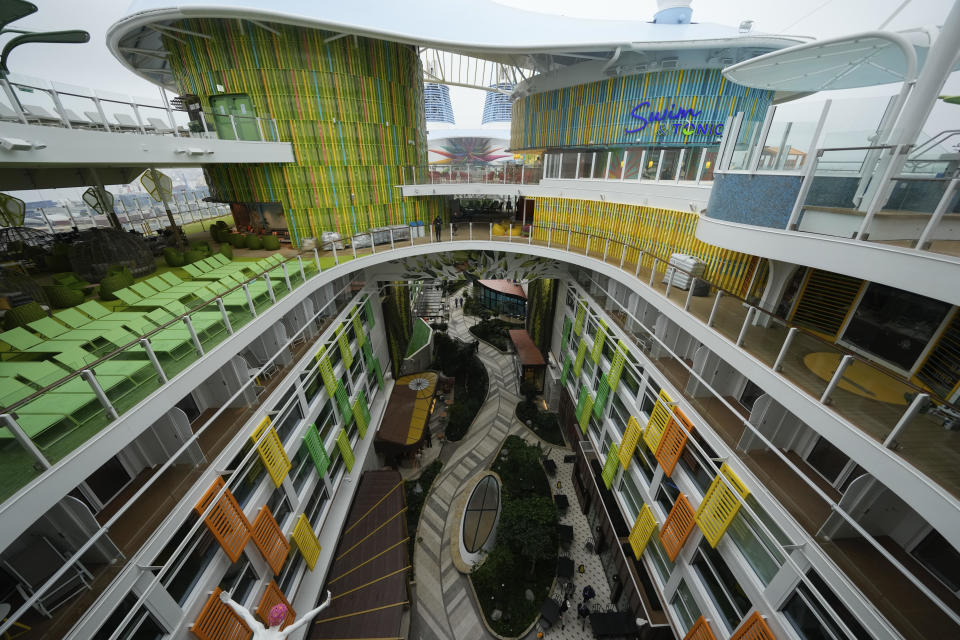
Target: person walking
x: 583, y: 611
x: 436, y: 227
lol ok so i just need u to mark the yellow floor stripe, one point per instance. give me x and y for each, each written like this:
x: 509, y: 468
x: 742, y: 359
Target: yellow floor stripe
x: 370, y: 559
x: 389, y: 575
x: 386, y: 495
x: 360, y: 541
x: 358, y: 613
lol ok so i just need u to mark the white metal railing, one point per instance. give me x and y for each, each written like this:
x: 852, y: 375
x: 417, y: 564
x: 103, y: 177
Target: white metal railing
x: 40, y: 102
x: 556, y: 237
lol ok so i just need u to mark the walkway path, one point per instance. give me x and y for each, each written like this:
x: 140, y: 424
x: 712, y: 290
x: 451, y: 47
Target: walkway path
x: 444, y: 608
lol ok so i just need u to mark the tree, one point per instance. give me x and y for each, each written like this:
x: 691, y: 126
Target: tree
x: 528, y: 389
x: 528, y: 527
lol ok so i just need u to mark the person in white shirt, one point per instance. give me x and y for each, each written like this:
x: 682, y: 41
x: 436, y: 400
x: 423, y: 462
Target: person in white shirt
x: 274, y: 620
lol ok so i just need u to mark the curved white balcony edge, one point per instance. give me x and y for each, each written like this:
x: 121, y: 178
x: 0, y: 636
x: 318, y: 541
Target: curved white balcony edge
x: 929, y: 274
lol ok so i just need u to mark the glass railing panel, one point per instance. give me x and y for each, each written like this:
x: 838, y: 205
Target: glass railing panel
x: 615, y: 165
x: 690, y: 163
x: 809, y: 363
x: 128, y: 377
x: 18, y: 466
x: 764, y: 336
x: 919, y: 210
x: 174, y: 348
x: 931, y: 442
x: 585, y: 170
x: 632, y: 160
x: 600, y: 165
x: 209, y: 324
x: 730, y: 317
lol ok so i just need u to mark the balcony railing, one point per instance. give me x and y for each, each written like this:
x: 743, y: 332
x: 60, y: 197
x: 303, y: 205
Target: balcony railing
x: 39, y: 102
x: 781, y: 347
x: 475, y: 174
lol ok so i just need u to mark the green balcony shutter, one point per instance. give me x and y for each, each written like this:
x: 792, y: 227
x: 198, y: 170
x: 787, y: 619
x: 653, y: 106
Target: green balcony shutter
x: 344, y: 403
x: 610, y: 465
x: 603, y: 392
x: 318, y: 453
x: 343, y: 443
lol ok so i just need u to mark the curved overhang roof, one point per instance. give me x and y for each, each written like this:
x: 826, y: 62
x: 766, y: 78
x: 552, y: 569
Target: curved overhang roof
x: 482, y: 29
x: 860, y: 60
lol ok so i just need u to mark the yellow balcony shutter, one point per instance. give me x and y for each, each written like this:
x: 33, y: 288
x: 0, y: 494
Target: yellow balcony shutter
x: 720, y: 505
x: 272, y: 596
x: 326, y: 371
x: 677, y: 527
x: 584, y: 418
x: 598, y: 342
x: 610, y: 466
x: 306, y: 541
x: 659, y: 419
x: 344, y: 346
x: 753, y: 628
x: 361, y: 414
x: 217, y: 621
x: 578, y: 363
x: 226, y: 520
x: 271, y: 451
x: 616, y: 367
x: 629, y: 443
x: 641, y: 531
x: 673, y: 440
x: 269, y: 538
x: 358, y: 327
x: 343, y: 443
x: 700, y: 631
x: 581, y: 315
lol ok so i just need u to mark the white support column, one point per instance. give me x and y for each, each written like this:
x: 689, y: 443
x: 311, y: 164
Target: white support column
x: 923, y: 242
x: 746, y: 324
x: 791, y: 334
x: 336, y: 260
x: 510, y: 232
x: 471, y: 230
x: 225, y: 316
x: 713, y: 310
x: 193, y: 335
x: 373, y: 248
x: 102, y: 398
x: 606, y: 248
x: 273, y: 298
x: 392, y: 246
x: 845, y: 362
x: 253, y: 309
x: 24, y: 440
x: 286, y: 276
x: 549, y: 236
x: 686, y: 303
x: 152, y: 357
x: 353, y: 243
x: 919, y: 402
x: 303, y: 274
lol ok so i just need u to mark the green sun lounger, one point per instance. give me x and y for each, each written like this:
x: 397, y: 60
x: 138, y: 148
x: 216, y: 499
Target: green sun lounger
x: 52, y: 330
x: 22, y: 340
x: 135, y: 370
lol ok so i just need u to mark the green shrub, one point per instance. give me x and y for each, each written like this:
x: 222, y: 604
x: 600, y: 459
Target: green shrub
x: 253, y: 241
x: 237, y: 240
x: 173, y: 258
x: 20, y: 316
x: 215, y: 234
x: 62, y: 297
x: 271, y: 243
x: 226, y: 250
x: 222, y: 224
x: 201, y: 245
x: 112, y: 283
x: 193, y: 255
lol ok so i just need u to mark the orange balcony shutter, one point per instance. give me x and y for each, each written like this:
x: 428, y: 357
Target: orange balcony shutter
x: 677, y: 527
x: 272, y: 596
x: 270, y: 540
x: 217, y: 621
x: 700, y: 631
x: 753, y: 628
x: 673, y: 440
x: 226, y: 520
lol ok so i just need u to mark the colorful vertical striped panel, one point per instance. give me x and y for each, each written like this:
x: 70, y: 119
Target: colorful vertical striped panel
x: 343, y: 402
x: 672, y: 441
x: 598, y: 341
x: 603, y: 392
x: 226, y: 520
x: 720, y: 505
x: 343, y: 443
x: 616, y: 367
x: 610, y: 465
x: 272, y: 453
x: 578, y: 363
x: 677, y: 527
x: 306, y: 541
x: 318, y: 452
x: 631, y: 436
x: 642, y: 529
x: 659, y: 419
x: 270, y: 540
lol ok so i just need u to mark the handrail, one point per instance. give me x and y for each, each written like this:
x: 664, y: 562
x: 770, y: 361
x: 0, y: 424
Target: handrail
x: 637, y: 247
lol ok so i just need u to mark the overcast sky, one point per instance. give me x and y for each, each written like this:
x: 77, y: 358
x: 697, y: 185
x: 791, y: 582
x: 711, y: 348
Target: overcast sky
x: 92, y: 65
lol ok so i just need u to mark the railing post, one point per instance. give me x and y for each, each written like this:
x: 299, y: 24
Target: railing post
x: 529, y: 234
x: 522, y: 167
x: 303, y: 274
x: 253, y: 309
x: 794, y: 221
x: 606, y: 248
x: 353, y: 245
x: 286, y: 276
x: 653, y: 270
x: 411, y: 233
x: 686, y: 304
x: 713, y: 310
x: 152, y: 357
x: 845, y: 362
x: 336, y: 260
x: 451, y: 232
x: 102, y: 398
x: 636, y: 272
x: 233, y: 125
x: 778, y: 363
x: 586, y: 249
x: 549, y: 236
x: 924, y: 241
x: 24, y: 440
x: 491, y: 230
x: 432, y: 238
x: 623, y: 254
x: 471, y: 230
x: 372, y: 246
x: 746, y: 323
x: 273, y: 298
x: 392, y: 245
x: 919, y: 402
x: 225, y: 316
x: 569, y: 236
x: 193, y: 335
x: 510, y: 233
x: 666, y: 293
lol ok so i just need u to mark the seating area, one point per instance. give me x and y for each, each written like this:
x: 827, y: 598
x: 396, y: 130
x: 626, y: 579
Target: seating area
x: 58, y: 408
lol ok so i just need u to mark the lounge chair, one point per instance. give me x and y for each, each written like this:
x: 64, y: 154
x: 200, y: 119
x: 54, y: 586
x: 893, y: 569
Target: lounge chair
x: 33, y: 566
x: 125, y: 123
x: 95, y: 119
x: 53, y: 330
x: 40, y: 114
x: 23, y: 341
x: 160, y: 127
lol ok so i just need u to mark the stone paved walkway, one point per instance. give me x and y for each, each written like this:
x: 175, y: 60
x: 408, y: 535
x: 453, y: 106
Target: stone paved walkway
x: 444, y: 608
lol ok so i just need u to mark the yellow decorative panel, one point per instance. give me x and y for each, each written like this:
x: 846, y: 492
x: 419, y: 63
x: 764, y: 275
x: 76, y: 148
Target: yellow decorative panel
x: 271, y: 451
x: 326, y: 371
x: 720, y: 505
x: 610, y: 466
x: 581, y: 314
x: 578, y: 363
x: 306, y: 541
x: 587, y: 410
x: 659, y: 419
x: 630, y: 439
x: 642, y: 529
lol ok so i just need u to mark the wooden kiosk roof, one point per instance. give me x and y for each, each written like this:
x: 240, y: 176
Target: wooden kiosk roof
x: 504, y: 286
x: 368, y: 577
x: 528, y: 353
x: 408, y: 410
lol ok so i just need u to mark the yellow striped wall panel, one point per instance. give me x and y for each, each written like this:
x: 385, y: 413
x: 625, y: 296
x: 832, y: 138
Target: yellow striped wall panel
x: 271, y: 451
x: 641, y: 531
x: 306, y: 541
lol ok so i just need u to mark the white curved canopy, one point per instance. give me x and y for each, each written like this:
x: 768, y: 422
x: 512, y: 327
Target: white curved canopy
x: 860, y: 60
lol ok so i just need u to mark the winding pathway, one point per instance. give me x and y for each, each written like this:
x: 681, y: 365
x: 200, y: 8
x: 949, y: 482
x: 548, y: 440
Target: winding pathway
x: 444, y: 608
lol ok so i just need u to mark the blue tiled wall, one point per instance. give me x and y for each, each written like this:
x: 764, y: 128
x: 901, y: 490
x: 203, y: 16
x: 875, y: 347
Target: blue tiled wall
x: 759, y: 200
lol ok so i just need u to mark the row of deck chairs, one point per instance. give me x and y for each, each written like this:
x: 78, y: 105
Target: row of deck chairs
x: 89, y: 120
x: 48, y: 349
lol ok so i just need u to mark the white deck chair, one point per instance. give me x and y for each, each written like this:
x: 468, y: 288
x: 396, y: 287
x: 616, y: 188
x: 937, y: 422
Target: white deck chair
x: 160, y: 126
x: 95, y: 119
x: 33, y: 566
x: 125, y: 122
x: 77, y: 120
x: 40, y: 114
